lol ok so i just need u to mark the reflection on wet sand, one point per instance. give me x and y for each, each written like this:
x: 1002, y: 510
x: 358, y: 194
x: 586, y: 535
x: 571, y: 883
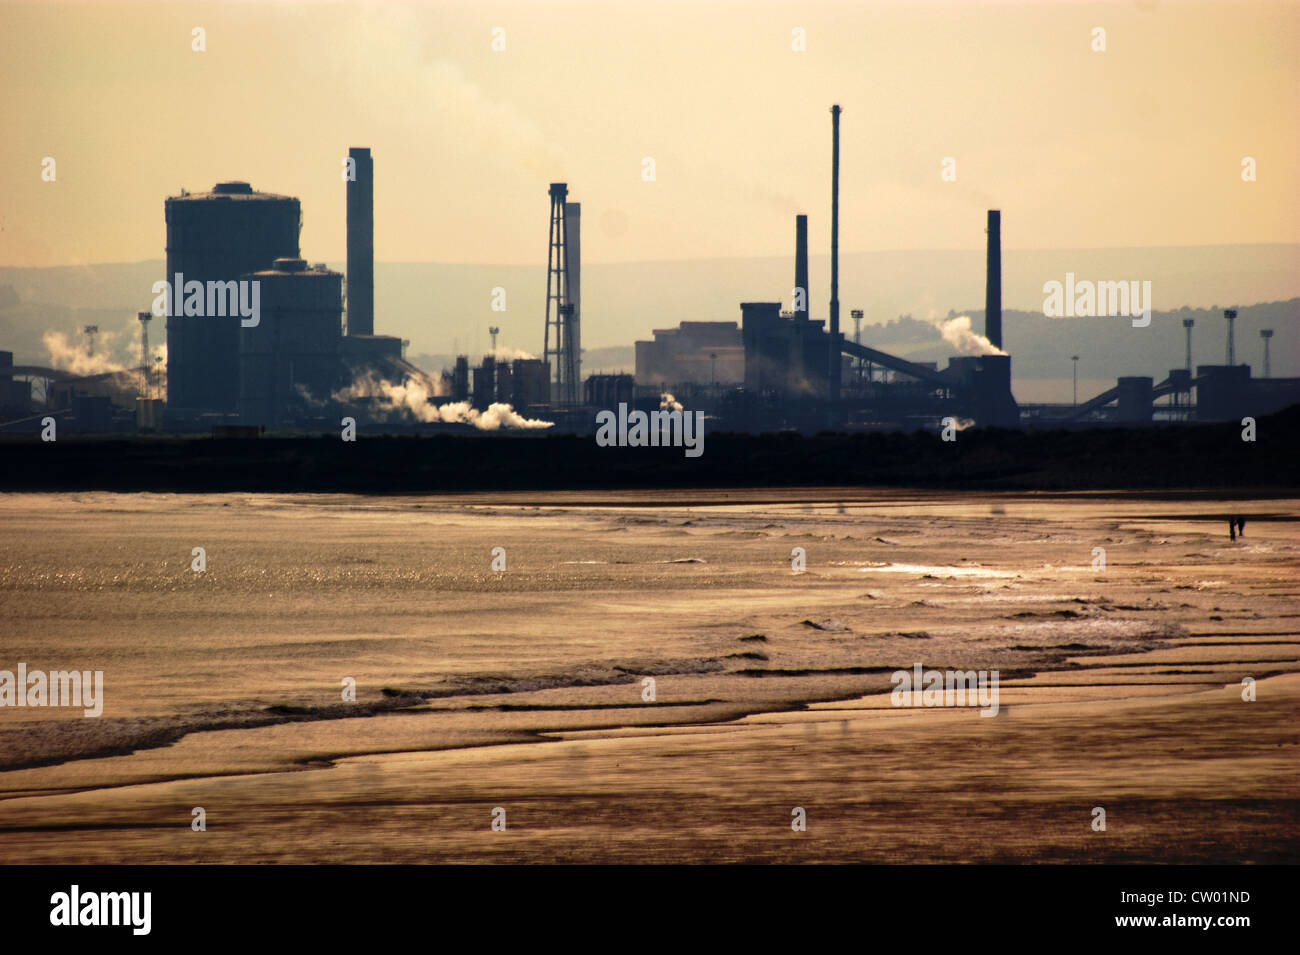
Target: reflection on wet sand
x: 1120, y: 687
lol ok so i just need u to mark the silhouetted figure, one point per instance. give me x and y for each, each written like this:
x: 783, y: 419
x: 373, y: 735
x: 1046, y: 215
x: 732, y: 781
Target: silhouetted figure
x: 1232, y: 528
x: 1241, y: 527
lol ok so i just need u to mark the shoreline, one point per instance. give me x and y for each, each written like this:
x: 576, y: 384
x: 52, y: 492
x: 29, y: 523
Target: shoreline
x: 1159, y: 457
x: 806, y: 727
x: 767, y: 678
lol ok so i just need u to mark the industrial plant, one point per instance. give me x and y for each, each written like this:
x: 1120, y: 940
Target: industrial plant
x: 307, y: 355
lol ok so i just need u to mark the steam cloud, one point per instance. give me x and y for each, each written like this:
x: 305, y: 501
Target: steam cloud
x: 115, y: 351
x: 75, y: 357
x: 957, y: 333
x: 511, y: 354
x: 410, y: 399
x: 668, y: 403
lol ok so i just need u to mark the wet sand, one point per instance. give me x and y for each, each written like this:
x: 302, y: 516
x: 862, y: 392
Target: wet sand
x: 1120, y: 688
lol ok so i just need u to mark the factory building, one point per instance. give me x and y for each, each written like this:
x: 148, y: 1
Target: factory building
x: 793, y: 364
x: 701, y: 353
x: 218, y: 236
x: 485, y: 382
x: 784, y: 354
x: 289, y: 362
x: 981, y: 385
x: 1228, y: 393
x: 530, y: 384
x: 1223, y: 393
x: 283, y: 367
x: 460, y: 379
x: 505, y: 379
x: 607, y: 391
x: 15, y: 396
x: 524, y: 383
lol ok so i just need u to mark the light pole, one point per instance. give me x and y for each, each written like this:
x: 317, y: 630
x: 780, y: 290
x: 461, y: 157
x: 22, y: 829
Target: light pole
x: 858, y: 314
x: 1075, y: 359
x: 1266, y: 334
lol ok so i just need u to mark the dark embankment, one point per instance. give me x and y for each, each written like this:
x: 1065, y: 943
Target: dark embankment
x: 1182, y: 457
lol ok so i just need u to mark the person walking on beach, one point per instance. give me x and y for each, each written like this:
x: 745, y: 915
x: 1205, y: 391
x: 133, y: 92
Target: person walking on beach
x: 1232, y: 528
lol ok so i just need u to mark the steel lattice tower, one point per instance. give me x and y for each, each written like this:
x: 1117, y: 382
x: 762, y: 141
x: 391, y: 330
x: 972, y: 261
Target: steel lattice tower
x: 559, y: 307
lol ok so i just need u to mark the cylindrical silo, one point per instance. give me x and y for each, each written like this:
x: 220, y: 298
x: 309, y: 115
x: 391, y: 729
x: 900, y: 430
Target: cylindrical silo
x: 289, y: 363
x: 218, y: 236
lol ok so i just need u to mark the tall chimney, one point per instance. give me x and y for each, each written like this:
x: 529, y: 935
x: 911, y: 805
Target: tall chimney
x: 361, y: 243
x: 993, y: 282
x: 834, y: 369
x: 801, y: 265
x: 573, y: 247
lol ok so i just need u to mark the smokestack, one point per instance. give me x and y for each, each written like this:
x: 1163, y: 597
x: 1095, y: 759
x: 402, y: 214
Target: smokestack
x: 993, y: 283
x: 573, y: 247
x: 361, y: 243
x: 834, y: 370
x: 801, y: 265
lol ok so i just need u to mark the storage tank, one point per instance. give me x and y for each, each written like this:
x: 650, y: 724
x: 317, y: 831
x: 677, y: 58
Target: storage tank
x: 1135, y: 403
x: 219, y: 236
x: 289, y: 364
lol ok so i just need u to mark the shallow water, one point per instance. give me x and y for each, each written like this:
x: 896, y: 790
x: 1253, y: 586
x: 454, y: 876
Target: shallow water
x: 239, y: 669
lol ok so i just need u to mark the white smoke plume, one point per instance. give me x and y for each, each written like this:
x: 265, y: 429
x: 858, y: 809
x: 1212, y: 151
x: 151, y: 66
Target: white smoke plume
x: 668, y: 403
x: 957, y: 333
x: 115, y: 351
x: 498, y: 415
x: 410, y: 399
x: 75, y: 356
x: 510, y: 354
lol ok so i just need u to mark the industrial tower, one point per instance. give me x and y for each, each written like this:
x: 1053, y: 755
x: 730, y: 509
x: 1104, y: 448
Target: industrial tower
x: 144, y: 318
x: 993, y: 281
x: 563, y: 297
x: 361, y: 242
x: 833, y: 369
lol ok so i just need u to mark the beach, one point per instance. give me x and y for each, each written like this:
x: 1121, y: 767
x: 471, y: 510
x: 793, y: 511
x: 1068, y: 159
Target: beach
x: 500, y: 647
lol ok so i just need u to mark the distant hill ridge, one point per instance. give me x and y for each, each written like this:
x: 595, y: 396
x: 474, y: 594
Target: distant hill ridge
x: 443, y: 309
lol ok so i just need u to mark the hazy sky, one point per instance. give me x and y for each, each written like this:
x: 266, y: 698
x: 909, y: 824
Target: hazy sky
x: 1139, y: 145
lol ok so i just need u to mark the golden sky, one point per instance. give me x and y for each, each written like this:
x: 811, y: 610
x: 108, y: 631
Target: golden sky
x: 1139, y: 145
